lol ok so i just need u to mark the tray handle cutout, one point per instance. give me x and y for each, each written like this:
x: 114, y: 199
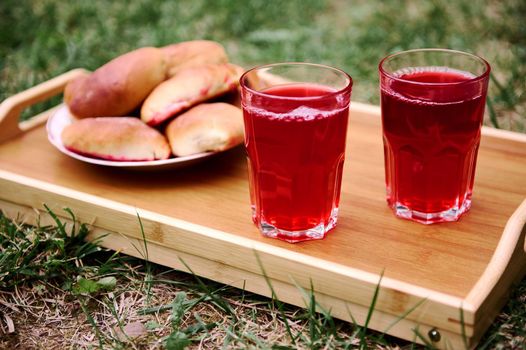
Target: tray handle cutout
x: 12, y: 107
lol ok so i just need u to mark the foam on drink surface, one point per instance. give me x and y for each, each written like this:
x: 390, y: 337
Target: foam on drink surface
x: 298, y: 102
x: 412, y: 71
x: 416, y: 81
x: 299, y: 114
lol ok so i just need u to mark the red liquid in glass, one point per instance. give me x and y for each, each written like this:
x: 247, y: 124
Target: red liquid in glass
x: 296, y: 151
x: 431, y: 147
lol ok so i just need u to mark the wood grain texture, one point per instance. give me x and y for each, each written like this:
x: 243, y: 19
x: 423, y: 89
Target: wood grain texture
x: 203, y: 211
x: 215, y: 194
x: 286, y: 291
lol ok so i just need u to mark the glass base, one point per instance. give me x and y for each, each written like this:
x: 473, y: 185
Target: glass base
x: 452, y: 214
x: 317, y: 232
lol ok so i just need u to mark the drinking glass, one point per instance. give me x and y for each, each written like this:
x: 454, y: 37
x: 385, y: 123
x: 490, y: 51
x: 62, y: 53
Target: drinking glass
x: 432, y: 109
x: 296, y: 118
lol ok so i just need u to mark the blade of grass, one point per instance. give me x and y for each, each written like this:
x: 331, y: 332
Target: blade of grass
x: 200, y: 326
x: 188, y: 304
x: 403, y: 316
x: 221, y: 303
x: 357, y: 328
x: 230, y: 335
x: 115, y: 314
x: 93, y: 324
x: 363, y: 342
x: 147, y: 264
x: 275, y: 298
x: 73, y: 220
x: 146, y: 255
x: 61, y: 226
x: 317, y: 327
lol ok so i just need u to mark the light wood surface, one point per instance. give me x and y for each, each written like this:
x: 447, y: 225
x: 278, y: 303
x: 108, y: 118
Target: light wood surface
x: 203, y: 212
x: 286, y: 292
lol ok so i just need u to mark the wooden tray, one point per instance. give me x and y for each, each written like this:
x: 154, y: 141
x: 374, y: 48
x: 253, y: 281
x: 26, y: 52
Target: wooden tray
x: 200, y: 215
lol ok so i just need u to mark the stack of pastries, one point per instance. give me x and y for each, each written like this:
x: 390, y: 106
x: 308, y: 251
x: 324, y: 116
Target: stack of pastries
x: 170, y: 88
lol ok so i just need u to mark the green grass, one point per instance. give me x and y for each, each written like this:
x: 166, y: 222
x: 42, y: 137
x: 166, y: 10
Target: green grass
x: 50, y: 277
x: 47, y: 253
x: 41, y: 39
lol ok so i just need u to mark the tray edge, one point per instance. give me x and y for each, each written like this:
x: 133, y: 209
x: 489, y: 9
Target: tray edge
x: 288, y: 291
x: 391, y: 290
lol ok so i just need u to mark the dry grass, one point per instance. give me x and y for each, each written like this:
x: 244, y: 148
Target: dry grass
x: 46, y: 316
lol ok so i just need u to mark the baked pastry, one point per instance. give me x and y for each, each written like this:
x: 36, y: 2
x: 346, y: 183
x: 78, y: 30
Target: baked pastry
x: 115, y: 138
x: 207, y: 127
x: 118, y: 87
x: 193, y: 53
x: 121, y: 85
x: 187, y: 88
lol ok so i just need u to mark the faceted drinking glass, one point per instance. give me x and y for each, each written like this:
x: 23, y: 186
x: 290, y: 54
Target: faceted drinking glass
x: 296, y: 118
x: 432, y: 109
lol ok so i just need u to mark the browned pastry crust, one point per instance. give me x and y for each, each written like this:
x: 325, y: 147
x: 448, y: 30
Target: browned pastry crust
x: 115, y: 138
x: 193, y: 53
x: 118, y: 87
x: 187, y: 88
x: 207, y: 127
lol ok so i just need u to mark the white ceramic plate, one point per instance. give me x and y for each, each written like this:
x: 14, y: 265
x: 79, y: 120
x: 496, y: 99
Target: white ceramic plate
x: 62, y: 117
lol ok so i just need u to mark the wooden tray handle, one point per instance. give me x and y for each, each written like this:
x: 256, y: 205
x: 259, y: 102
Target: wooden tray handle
x: 12, y: 107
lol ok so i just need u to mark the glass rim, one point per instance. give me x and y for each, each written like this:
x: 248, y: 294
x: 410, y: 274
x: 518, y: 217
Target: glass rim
x: 347, y: 87
x: 482, y: 76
